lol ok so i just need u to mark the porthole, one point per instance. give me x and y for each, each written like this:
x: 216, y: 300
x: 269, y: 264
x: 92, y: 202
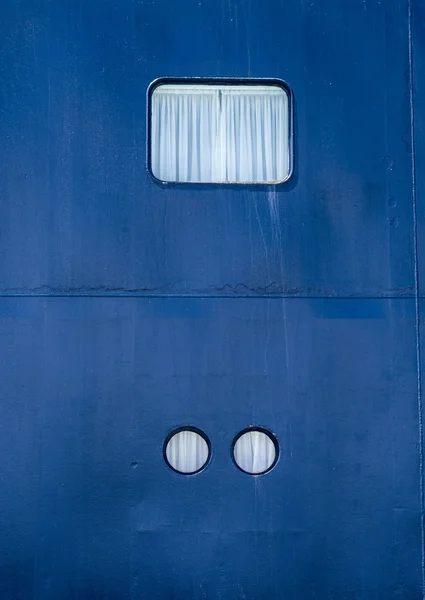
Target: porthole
x: 255, y: 450
x: 187, y: 450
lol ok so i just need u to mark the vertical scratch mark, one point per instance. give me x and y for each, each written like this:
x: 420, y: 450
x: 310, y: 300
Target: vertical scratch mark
x: 262, y: 238
x: 247, y: 40
x: 273, y: 200
x: 415, y: 247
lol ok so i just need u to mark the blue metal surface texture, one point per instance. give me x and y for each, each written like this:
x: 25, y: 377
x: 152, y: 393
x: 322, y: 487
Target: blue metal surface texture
x: 129, y: 308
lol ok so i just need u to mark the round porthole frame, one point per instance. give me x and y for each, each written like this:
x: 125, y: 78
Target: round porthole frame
x: 196, y: 430
x: 266, y: 432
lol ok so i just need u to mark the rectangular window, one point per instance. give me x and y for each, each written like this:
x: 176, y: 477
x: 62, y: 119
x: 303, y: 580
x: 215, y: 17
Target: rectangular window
x: 220, y: 133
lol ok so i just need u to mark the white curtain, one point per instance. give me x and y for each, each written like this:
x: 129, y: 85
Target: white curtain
x: 187, y: 451
x: 211, y: 133
x: 254, y: 452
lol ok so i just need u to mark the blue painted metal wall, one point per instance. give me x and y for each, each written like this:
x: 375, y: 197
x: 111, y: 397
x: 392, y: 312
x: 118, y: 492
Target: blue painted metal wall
x: 129, y: 308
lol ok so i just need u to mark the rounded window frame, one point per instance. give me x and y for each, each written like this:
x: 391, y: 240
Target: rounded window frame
x: 260, y: 81
x: 272, y: 436
x: 174, y: 432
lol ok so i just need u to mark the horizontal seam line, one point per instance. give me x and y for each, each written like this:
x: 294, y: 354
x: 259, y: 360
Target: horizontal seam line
x: 203, y: 295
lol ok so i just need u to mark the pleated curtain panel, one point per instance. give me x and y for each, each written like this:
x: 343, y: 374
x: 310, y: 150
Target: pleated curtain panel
x: 219, y: 134
x: 187, y: 451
